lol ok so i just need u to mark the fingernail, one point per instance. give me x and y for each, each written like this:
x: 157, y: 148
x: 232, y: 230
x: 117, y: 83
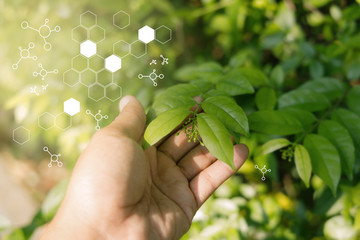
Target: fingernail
x: 124, y: 101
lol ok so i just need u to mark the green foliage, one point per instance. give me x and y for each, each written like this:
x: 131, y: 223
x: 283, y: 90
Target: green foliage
x: 273, y: 145
x: 342, y: 140
x: 325, y: 159
x: 228, y: 112
x: 275, y: 75
x: 165, y: 123
x: 294, y: 73
x: 223, y: 117
x: 235, y: 83
x: 303, y: 163
x: 216, y: 138
x: 274, y: 122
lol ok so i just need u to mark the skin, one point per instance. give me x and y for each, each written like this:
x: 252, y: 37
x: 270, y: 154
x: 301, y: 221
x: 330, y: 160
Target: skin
x: 119, y: 191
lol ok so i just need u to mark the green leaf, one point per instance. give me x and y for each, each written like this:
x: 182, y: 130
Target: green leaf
x: 291, y: 63
x: 239, y: 59
x: 228, y: 112
x: 330, y: 87
x: 256, y: 77
x: 307, y: 49
x: 305, y: 99
x: 214, y: 93
x: 316, y: 69
x: 265, y: 99
x: 271, y: 41
x: 350, y: 121
x: 273, y: 145
x: 164, y: 124
x: 353, y: 100
x: 166, y: 103
x: 306, y: 118
x: 274, y: 122
x: 303, y: 164
x: 357, y: 220
x: 216, y: 138
x: 180, y: 95
x: 210, y: 71
x: 203, y: 84
x: 235, y: 83
x: 342, y: 140
x: 277, y: 76
x: 325, y: 160
x: 352, y: 70
x: 184, y: 89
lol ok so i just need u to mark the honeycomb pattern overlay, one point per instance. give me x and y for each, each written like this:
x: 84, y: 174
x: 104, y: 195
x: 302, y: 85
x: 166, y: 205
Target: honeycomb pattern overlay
x: 96, y: 72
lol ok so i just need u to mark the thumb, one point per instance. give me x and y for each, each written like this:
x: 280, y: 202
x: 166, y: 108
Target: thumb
x: 131, y: 120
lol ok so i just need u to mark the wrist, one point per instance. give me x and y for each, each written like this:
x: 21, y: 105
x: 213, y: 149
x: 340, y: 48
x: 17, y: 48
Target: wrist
x: 62, y: 227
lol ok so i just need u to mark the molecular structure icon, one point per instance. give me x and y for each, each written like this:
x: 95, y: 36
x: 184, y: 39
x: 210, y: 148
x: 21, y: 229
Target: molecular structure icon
x: 44, y: 32
x: 263, y: 171
x: 152, y: 76
x: 98, y: 117
x: 35, y: 91
x: 43, y: 72
x: 164, y: 60
x: 54, y: 158
x: 25, y: 54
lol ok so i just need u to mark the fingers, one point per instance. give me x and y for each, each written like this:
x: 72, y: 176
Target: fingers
x: 131, y: 120
x: 209, y: 179
x: 195, y: 161
x: 176, y: 146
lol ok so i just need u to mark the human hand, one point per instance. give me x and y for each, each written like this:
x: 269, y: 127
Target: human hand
x: 119, y: 191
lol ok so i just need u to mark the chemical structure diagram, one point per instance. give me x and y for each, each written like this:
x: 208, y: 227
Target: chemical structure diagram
x: 25, y: 54
x: 164, y: 60
x: 98, y: 117
x: 54, y: 158
x: 263, y: 171
x: 43, y: 72
x: 152, y: 76
x: 44, y: 32
x: 35, y: 91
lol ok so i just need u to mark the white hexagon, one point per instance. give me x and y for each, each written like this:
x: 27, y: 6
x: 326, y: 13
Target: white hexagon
x: 88, y: 48
x: 71, y: 107
x: 113, y: 63
x: 146, y: 34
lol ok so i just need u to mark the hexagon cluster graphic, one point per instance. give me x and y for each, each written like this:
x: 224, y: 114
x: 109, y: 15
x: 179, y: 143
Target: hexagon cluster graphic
x: 63, y: 120
x: 96, y: 72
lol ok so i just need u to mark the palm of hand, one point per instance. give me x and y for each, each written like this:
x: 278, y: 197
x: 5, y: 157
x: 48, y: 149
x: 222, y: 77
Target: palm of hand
x: 122, y: 190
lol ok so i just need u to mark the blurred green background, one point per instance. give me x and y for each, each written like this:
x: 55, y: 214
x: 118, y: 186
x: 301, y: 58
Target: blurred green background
x: 292, y: 41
